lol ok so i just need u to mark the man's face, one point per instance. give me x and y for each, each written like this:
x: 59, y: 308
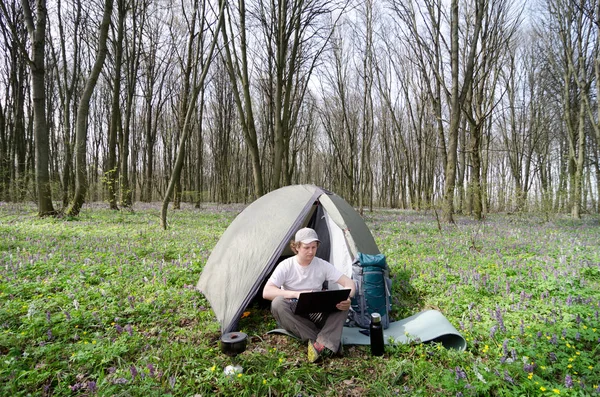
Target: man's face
x: 306, y: 252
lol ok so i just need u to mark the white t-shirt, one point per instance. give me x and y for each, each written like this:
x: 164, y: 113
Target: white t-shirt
x: 290, y: 275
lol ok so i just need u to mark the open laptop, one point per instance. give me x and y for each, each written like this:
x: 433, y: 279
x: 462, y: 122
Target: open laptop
x: 320, y: 301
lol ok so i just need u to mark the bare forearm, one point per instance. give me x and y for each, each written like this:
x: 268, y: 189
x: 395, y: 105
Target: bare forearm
x: 271, y: 292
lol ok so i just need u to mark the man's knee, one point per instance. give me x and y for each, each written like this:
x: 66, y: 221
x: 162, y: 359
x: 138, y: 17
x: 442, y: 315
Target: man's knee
x: 278, y: 304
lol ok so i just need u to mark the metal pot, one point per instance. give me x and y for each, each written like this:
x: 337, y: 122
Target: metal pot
x: 234, y: 343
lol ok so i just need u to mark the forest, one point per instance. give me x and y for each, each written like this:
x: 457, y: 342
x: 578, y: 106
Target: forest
x: 467, y: 106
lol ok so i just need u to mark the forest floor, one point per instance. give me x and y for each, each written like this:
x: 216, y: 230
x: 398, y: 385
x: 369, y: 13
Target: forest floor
x: 105, y: 304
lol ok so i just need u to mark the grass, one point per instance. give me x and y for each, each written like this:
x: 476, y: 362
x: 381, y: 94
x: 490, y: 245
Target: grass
x: 105, y: 304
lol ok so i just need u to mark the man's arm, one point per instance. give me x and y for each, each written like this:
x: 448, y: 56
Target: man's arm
x: 346, y: 282
x: 271, y: 291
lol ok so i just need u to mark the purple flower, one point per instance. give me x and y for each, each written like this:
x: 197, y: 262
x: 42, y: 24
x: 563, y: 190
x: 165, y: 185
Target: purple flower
x: 68, y: 316
x: 118, y: 328
x: 492, y: 332
x: 522, y: 327
x: 129, y: 329
x: 75, y: 387
x: 500, y: 319
x: 133, y: 371
x: 529, y: 368
x: 151, y: 369
x: 48, y: 316
x: 553, y: 357
x: 568, y: 381
x: 92, y: 386
x: 507, y: 377
x: 49, y: 334
x: 131, y: 300
x: 460, y: 374
x: 172, y: 381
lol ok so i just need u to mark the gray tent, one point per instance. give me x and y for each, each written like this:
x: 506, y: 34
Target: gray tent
x: 258, y: 239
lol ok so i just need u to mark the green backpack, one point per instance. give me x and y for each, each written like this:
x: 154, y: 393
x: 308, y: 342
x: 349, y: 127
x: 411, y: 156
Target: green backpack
x: 373, y: 290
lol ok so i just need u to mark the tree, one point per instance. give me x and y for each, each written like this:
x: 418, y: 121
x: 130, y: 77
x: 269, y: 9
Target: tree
x: 115, y: 115
x: 199, y: 76
x: 36, y: 27
x: 81, y: 135
x: 238, y: 70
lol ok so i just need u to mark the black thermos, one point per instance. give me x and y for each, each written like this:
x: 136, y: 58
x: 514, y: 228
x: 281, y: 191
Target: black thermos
x: 376, y: 333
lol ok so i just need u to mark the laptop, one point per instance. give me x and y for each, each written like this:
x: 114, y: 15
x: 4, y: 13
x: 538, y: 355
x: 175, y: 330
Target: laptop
x: 320, y: 301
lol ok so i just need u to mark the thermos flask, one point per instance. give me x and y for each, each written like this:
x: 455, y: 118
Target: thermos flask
x: 376, y: 334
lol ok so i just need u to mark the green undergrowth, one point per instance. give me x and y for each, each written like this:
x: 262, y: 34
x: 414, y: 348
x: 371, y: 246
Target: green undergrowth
x: 105, y: 304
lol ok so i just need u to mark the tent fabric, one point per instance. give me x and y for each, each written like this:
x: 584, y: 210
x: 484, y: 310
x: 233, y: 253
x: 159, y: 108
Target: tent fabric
x: 259, y: 236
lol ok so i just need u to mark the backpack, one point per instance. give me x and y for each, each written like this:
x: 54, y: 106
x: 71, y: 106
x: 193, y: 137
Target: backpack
x: 373, y: 290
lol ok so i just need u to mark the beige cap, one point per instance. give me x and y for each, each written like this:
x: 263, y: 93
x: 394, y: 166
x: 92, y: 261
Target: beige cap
x: 306, y: 236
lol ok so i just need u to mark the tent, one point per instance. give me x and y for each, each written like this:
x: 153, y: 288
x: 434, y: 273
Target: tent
x: 258, y: 239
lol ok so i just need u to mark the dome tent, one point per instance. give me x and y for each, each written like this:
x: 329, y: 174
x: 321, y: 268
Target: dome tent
x: 258, y: 239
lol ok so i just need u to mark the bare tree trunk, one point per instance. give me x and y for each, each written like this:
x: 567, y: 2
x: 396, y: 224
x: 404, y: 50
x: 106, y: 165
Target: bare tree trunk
x: 115, y: 116
x: 81, y: 182
x: 37, y: 33
x: 237, y: 67
x: 198, y: 84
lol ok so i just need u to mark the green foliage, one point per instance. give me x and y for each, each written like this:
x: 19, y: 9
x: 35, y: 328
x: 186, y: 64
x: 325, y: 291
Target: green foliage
x: 105, y: 304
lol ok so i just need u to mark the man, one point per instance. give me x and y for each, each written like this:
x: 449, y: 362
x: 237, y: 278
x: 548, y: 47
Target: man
x: 304, y: 273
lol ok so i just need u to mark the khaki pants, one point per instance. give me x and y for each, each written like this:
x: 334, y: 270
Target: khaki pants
x: 329, y: 334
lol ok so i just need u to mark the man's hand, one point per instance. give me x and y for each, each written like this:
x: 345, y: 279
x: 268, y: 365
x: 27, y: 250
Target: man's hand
x: 344, y: 305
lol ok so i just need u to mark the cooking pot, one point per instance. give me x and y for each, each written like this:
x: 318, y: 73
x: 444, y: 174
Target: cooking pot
x: 234, y: 343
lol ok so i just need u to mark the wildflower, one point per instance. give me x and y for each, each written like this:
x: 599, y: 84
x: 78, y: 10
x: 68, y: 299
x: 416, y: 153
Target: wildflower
x: 213, y: 368
x: 508, y: 378
x: 529, y: 367
x: 245, y: 314
x: 264, y: 381
x: 530, y: 375
x: 460, y: 374
x: 556, y: 391
x: 568, y: 381
x: 239, y: 375
x: 542, y: 388
x: 133, y: 371
x: 92, y: 386
x: 172, y: 381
